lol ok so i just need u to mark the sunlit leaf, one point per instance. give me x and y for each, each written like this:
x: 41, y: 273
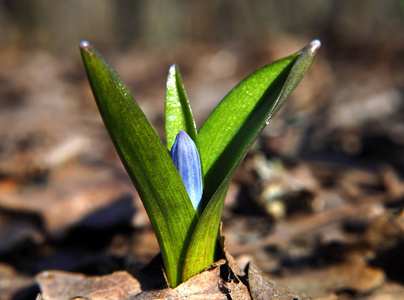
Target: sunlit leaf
x: 146, y: 160
x: 178, y: 114
x: 233, y: 126
x: 228, y: 134
x: 202, y: 247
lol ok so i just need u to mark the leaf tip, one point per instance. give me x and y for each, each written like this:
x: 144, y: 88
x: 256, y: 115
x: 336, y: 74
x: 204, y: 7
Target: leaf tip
x: 314, y: 46
x: 85, y: 46
x: 173, y: 69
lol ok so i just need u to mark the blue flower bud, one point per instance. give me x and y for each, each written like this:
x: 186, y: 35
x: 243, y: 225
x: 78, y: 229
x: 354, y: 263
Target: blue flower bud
x: 186, y: 159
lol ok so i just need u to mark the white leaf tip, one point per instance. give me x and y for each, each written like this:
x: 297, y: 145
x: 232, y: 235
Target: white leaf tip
x: 315, y: 45
x: 84, y: 45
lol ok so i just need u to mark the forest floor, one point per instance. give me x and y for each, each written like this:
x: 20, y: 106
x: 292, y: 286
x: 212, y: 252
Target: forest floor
x: 317, y: 204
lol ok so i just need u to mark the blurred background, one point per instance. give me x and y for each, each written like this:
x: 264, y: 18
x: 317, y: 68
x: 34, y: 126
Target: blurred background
x: 331, y: 162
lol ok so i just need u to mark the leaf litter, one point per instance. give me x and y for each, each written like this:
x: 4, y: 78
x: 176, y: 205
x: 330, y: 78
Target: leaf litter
x: 325, y: 221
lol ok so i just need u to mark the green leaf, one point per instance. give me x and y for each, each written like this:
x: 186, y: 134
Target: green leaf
x: 298, y: 71
x: 146, y: 160
x: 228, y: 134
x: 233, y: 126
x: 178, y: 114
x: 201, y: 251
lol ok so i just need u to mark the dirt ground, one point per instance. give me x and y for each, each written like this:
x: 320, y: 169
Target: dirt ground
x: 317, y: 204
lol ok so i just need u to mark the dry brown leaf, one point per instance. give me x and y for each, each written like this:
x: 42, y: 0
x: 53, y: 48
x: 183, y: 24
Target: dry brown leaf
x: 58, y: 285
x: 262, y: 288
x: 221, y: 280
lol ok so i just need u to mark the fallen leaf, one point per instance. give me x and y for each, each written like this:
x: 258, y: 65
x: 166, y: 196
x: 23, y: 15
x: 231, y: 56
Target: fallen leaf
x: 262, y: 288
x: 58, y: 285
